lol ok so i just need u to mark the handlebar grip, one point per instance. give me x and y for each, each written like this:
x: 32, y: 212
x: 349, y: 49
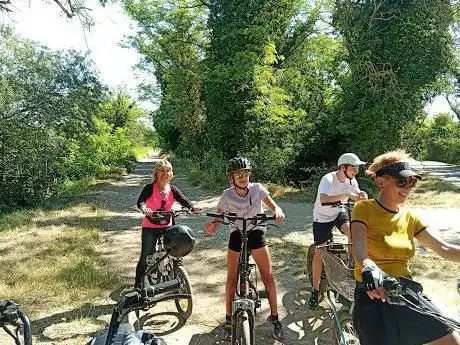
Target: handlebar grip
x: 162, y: 287
x: 216, y: 215
x: 335, y: 203
x: 390, y: 283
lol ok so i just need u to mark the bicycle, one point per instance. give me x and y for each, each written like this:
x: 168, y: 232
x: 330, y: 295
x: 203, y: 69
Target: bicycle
x: 244, y: 307
x: 162, y: 267
x: 12, y: 315
x: 311, y: 250
x: 337, y: 265
x: 139, y: 299
x: 406, y: 292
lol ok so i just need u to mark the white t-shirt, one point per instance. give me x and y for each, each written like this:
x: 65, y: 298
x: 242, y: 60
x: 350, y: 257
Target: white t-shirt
x: 330, y: 185
x: 244, y: 206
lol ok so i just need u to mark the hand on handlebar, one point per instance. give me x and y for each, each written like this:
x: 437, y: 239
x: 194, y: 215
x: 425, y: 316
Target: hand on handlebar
x: 211, y: 228
x: 196, y: 210
x: 362, y: 196
x: 373, y: 278
x: 147, y: 211
x: 278, y: 213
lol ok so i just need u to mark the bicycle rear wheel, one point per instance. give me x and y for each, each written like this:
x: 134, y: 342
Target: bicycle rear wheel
x: 242, y: 328
x: 350, y: 336
x: 323, y: 281
x: 184, y: 306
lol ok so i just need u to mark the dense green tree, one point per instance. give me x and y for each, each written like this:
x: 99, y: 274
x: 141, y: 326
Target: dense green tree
x: 172, y: 37
x: 396, y: 50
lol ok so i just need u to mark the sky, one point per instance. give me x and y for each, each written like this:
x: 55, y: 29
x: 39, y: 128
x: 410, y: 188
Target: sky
x: 44, y: 22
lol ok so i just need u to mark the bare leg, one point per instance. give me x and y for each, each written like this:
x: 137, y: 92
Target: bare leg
x: 316, y: 268
x: 449, y: 339
x: 232, y: 277
x: 264, y: 263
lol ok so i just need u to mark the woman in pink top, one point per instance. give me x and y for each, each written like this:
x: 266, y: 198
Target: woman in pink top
x: 157, y: 196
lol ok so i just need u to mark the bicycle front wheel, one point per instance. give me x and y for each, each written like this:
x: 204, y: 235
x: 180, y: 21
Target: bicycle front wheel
x: 242, y: 328
x: 323, y: 281
x: 346, y: 334
x: 184, y: 306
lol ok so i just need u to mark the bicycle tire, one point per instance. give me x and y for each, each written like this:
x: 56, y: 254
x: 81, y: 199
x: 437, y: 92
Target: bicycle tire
x: 242, y: 328
x: 184, y: 306
x: 349, y: 331
x: 323, y: 280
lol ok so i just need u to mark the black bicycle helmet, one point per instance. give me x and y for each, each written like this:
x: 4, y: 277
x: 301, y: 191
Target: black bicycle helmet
x: 238, y: 163
x: 179, y: 240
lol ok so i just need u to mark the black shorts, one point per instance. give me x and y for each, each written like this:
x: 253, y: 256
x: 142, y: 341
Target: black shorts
x: 323, y: 231
x: 256, y: 240
x: 379, y: 323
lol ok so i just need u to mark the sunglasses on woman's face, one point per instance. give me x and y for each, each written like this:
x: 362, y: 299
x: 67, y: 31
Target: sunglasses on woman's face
x: 403, y: 182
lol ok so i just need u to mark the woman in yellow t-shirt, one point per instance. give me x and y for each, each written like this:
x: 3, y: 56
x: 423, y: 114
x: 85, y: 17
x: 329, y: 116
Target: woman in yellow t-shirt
x: 383, y: 233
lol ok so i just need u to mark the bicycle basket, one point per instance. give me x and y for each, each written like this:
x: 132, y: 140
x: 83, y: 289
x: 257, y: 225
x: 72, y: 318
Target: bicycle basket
x: 339, y: 276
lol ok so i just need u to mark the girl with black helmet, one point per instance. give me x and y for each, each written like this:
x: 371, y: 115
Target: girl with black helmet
x: 158, y: 195
x: 245, y: 199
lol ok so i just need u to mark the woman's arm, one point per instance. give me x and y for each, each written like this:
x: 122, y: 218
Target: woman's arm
x: 181, y: 198
x: 146, y: 192
x: 446, y: 250
x: 276, y: 210
x: 359, y: 239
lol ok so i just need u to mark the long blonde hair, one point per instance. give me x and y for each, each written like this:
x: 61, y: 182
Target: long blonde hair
x: 379, y: 162
x: 162, y: 163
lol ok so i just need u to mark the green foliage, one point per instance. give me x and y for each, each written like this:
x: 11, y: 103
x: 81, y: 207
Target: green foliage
x: 443, y: 139
x: 437, y: 139
x: 58, y: 124
x: 172, y: 38
x: 396, y: 49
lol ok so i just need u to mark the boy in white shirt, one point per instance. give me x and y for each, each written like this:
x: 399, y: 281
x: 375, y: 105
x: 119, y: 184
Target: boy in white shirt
x: 335, y: 186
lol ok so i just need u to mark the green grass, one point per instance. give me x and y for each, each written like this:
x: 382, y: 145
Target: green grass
x: 52, y: 266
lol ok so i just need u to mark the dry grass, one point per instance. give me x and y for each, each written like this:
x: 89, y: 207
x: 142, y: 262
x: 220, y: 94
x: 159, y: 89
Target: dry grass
x: 439, y: 280
x: 51, y: 264
x: 434, y: 193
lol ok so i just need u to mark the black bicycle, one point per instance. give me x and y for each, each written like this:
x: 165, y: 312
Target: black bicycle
x: 406, y: 292
x: 244, y: 307
x: 140, y: 299
x: 347, y: 206
x: 162, y: 267
x: 11, y: 315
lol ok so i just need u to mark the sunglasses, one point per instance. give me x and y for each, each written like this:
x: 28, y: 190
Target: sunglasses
x: 241, y: 175
x: 402, y: 182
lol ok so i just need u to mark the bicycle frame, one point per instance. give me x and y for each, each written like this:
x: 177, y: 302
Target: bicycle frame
x: 397, y: 291
x: 245, y: 305
x: 11, y: 313
x: 140, y: 300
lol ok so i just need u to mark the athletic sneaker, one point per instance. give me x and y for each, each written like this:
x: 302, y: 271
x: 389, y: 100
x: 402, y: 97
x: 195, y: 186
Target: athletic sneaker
x: 278, y: 332
x: 227, y: 331
x: 313, y: 301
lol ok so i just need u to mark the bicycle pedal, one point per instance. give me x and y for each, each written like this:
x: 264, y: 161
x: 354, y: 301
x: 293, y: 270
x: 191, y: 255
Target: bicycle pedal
x: 263, y: 294
x: 258, y: 303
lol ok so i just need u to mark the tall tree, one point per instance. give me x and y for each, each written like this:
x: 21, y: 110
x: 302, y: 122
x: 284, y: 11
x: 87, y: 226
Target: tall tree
x: 396, y: 49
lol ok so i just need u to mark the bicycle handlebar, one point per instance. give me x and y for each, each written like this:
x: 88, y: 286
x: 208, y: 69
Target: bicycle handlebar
x: 338, y: 203
x: 406, y: 292
x: 233, y: 216
x: 10, y: 312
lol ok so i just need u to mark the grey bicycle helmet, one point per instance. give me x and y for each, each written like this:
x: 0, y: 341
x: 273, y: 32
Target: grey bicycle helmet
x: 180, y: 240
x: 238, y: 163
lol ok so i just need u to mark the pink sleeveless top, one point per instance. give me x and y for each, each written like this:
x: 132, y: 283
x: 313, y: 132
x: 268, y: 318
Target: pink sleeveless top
x: 154, y: 202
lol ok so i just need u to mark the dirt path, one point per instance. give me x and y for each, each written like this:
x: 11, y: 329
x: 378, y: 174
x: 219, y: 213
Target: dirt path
x: 206, y: 264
